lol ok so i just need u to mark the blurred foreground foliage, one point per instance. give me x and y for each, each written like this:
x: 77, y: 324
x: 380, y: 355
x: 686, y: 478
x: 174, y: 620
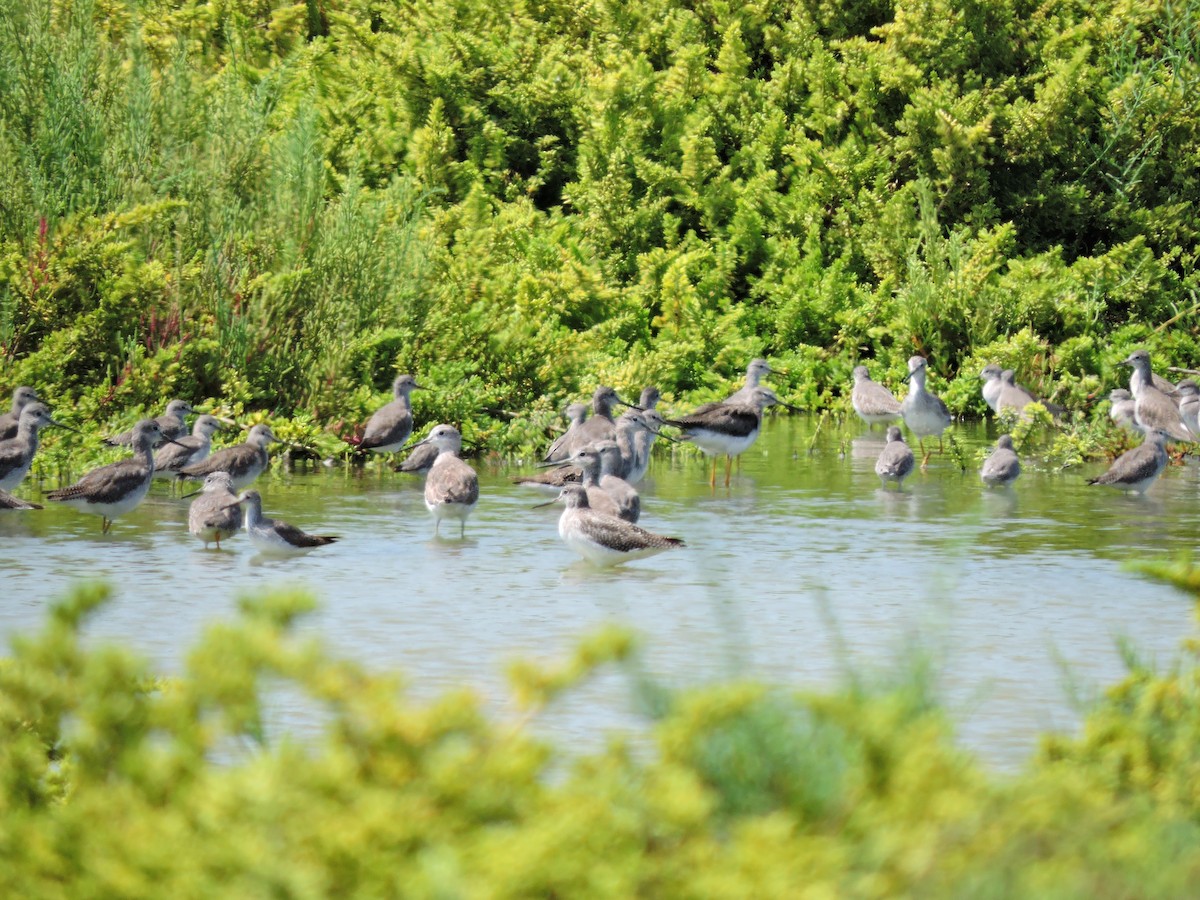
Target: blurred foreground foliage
x: 115, y: 782
x: 277, y: 206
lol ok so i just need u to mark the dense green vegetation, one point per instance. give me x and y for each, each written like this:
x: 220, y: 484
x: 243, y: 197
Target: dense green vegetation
x: 116, y: 782
x: 278, y: 206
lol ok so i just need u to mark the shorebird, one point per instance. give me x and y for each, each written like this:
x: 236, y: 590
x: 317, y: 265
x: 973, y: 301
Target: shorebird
x: 171, y: 423
x: 1012, y: 395
x: 1143, y: 374
x: 1122, y: 409
x: 627, y: 499
x: 451, y: 487
x: 8, y: 501
x: 1188, y: 394
x: 895, y: 461
x: 21, y: 397
x: 214, y: 514
x: 419, y: 460
x: 756, y: 371
x: 244, y: 462
x: 1003, y: 467
x: 600, y: 427
x: 726, y: 428
x: 1135, y: 470
x: 575, y: 413
x: 389, y: 428
x: 1152, y: 408
x: 603, y: 539
x: 991, y: 385
x: 871, y: 400
x: 643, y: 443
x: 586, y: 464
x: 924, y: 413
x: 16, y: 454
x: 273, y: 537
x: 186, y: 451
x: 113, y: 490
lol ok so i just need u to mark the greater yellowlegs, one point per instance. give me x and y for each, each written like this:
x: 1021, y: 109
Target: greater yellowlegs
x: 419, y: 460
x: 244, y: 462
x: 171, y: 423
x: 451, y: 487
x: 756, y: 371
x: 8, y: 501
x: 576, y: 413
x: 626, y: 497
x: 389, y: 428
x: 586, y: 461
x: 1135, y: 470
x: 603, y: 539
x: 1002, y: 467
x: 1152, y: 408
x: 214, y: 514
x: 1143, y: 373
x: 924, y: 413
x: 273, y: 537
x: 21, y: 397
x: 1188, y: 393
x: 726, y: 428
x: 643, y: 443
x: 186, y: 451
x: 991, y: 385
x: 113, y: 490
x: 895, y: 462
x: 1122, y: 408
x: 600, y: 427
x: 1012, y: 396
x: 873, y: 402
x: 16, y: 454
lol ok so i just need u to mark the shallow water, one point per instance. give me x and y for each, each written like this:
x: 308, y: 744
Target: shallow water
x: 804, y: 566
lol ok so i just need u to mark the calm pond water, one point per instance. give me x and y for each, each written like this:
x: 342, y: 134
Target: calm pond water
x: 801, y: 568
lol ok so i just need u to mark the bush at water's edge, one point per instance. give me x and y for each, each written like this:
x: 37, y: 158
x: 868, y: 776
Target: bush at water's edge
x: 115, y: 782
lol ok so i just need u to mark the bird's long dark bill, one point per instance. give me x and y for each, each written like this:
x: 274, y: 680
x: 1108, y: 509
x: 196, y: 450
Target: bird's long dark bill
x: 542, y: 505
x: 61, y: 425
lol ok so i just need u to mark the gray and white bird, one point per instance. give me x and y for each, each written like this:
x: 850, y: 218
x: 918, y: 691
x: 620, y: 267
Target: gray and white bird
x: 1012, y: 396
x: 186, y: 451
x: 113, y: 490
x: 576, y: 413
x: 895, y: 462
x: 389, y: 428
x: 1144, y: 374
x: 16, y: 453
x: 727, y: 429
x: 21, y: 397
x: 756, y: 371
x: 419, y: 460
x: 626, y: 497
x: 1152, y: 408
x: 172, y: 424
x: 1121, y: 409
x: 874, y: 403
x: 1135, y: 470
x: 1002, y: 467
x: 924, y: 413
x: 244, y: 462
x: 600, y: 426
x: 452, y: 486
x: 274, y: 537
x: 603, y: 539
x: 991, y: 385
x: 1187, y: 392
x: 215, y: 514
x: 643, y: 443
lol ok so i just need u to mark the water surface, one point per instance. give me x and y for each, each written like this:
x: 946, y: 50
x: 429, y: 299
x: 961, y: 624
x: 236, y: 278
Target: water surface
x: 804, y: 566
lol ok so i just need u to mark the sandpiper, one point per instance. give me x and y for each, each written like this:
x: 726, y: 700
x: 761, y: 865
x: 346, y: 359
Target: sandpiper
x: 214, y: 514
x: 603, y: 539
x: 186, y: 451
x: 171, y: 423
x: 924, y: 413
x: 244, y: 462
x: 419, y: 460
x: 726, y: 428
x: 575, y: 413
x: 8, y: 501
x: 1143, y: 373
x: 451, y: 487
x: 1135, y: 470
x: 626, y: 497
x: 16, y: 454
x: 21, y: 397
x: 756, y: 371
x: 895, y: 462
x: 1002, y: 467
x: 871, y: 400
x: 1152, y: 408
x: 586, y: 462
x: 600, y: 427
x: 1122, y: 408
x: 643, y: 443
x: 1188, y: 394
x: 389, y: 428
x: 113, y: 490
x: 991, y: 385
x: 273, y: 537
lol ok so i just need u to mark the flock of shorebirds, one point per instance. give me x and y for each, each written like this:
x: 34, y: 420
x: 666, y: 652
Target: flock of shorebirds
x: 594, y: 466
